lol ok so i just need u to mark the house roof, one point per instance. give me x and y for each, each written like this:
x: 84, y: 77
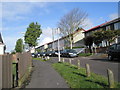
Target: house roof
x: 79, y: 29
x: 1, y: 41
x: 104, y: 24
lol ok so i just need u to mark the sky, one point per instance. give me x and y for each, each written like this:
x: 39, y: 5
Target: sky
x: 16, y: 17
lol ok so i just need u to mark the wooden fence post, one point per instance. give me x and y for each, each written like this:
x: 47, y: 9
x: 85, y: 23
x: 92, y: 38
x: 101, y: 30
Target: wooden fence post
x: 110, y: 78
x: 70, y: 61
x: 87, y: 70
x: 63, y: 60
x: 78, y: 64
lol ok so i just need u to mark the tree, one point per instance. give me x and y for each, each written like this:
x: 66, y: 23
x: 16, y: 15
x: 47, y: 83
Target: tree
x: 19, y: 46
x: 88, y: 41
x: 32, y: 34
x: 71, y: 22
x: 98, y: 37
x: 109, y: 35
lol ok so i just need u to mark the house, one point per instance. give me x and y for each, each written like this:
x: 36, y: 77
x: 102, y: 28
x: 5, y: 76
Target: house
x: 78, y: 36
x: 2, y: 46
x: 110, y: 25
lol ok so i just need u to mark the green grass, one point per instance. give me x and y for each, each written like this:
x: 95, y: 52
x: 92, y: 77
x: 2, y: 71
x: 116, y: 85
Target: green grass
x: 40, y: 59
x: 85, y: 54
x: 14, y: 69
x: 77, y: 78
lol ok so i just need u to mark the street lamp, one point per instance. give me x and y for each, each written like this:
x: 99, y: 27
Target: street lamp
x: 58, y: 29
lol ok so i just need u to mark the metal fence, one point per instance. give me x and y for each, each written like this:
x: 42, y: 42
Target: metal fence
x: 23, y: 61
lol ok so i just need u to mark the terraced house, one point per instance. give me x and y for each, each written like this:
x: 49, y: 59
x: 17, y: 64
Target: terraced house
x: 78, y: 36
x: 110, y: 25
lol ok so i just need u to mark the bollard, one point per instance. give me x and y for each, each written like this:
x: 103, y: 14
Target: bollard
x: 63, y: 60
x: 110, y: 78
x: 87, y: 70
x: 70, y: 61
x: 78, y: 64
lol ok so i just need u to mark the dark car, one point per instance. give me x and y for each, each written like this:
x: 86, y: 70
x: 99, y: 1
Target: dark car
x: 34, y: 55
x: 114, y: 51
x: 69, y: 53
x: 50, y: 53
x: 41, y: 54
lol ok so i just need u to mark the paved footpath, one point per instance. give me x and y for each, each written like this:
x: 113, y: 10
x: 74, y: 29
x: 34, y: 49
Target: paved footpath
x: 44, y: 76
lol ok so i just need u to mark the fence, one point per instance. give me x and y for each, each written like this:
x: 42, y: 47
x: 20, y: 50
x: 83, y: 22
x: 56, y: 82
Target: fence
x: 5, y: 71
x: 23, y: 67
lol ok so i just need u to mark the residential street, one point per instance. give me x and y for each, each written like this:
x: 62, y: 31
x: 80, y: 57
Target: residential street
x: 44, y: 76
x: 98, y: 66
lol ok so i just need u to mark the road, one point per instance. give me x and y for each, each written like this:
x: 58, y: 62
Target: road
x: 98, y: 66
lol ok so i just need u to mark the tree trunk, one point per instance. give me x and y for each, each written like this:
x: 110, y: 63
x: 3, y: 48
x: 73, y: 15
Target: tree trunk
x: 70, y: 44
x: 90, y: 49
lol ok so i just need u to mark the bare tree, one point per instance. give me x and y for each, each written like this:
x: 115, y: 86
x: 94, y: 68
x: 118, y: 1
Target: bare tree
x: 71, y: 22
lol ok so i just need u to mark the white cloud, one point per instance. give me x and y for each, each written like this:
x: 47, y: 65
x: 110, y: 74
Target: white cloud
x: 46, y: 36
x: 45, y: 40
x: 113, y: 16
x: 17, y: 11
x: 10, y: 42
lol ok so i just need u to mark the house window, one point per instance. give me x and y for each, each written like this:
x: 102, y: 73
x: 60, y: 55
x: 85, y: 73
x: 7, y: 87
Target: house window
x: 112, y: 26
x: 107, y: 27
x: 117, y: 26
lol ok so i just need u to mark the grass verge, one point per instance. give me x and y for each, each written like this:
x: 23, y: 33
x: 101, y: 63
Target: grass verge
x: 77, y: 78
x: 85, y: 54
x: 40, y: 59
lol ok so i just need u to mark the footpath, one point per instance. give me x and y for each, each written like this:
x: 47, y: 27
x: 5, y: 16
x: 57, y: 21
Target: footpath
x: 44, y: 76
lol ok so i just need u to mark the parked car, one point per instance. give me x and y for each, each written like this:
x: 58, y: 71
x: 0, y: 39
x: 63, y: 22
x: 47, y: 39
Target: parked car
x: 69, y: 53
x: 114, y: 51
x: 50, y: 53
x: 34, y: 55
x: 40, y: 54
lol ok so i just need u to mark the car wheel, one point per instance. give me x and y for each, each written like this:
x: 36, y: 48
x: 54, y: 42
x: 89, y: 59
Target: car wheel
x: 110, y: 57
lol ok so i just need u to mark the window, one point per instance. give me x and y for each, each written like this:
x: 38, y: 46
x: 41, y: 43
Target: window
x: 112, y: 47
x: 107, y: 27
x: 117, y: 26
x: 118, y: 47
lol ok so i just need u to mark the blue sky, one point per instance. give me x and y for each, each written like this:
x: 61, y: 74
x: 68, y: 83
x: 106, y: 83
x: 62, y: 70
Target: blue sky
x: 16, y: 16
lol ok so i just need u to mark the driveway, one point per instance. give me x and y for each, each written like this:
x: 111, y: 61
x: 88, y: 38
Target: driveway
x: 98, y: 66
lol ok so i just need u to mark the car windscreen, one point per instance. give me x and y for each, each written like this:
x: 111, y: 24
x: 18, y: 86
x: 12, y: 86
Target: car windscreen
x: 71, y: 51
x: 118, y: 47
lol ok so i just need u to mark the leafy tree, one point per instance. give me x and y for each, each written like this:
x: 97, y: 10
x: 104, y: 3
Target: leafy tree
x: 19, y: 46
x: 32, y: 34
x: 88, y: 41
x: 71, y: 22
x: 98, y: 37
x: 109, y: 35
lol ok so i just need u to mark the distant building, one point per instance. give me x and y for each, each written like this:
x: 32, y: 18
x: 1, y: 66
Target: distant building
x: 110, y: 25
x: 78, y: 36
x: 2, y: 46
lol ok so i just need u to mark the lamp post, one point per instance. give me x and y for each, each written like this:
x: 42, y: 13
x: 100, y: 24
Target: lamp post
x: 53, y: 39
x: 58, y: 29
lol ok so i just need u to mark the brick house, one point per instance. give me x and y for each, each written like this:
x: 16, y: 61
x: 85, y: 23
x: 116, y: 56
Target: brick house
x: 110, y: 25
